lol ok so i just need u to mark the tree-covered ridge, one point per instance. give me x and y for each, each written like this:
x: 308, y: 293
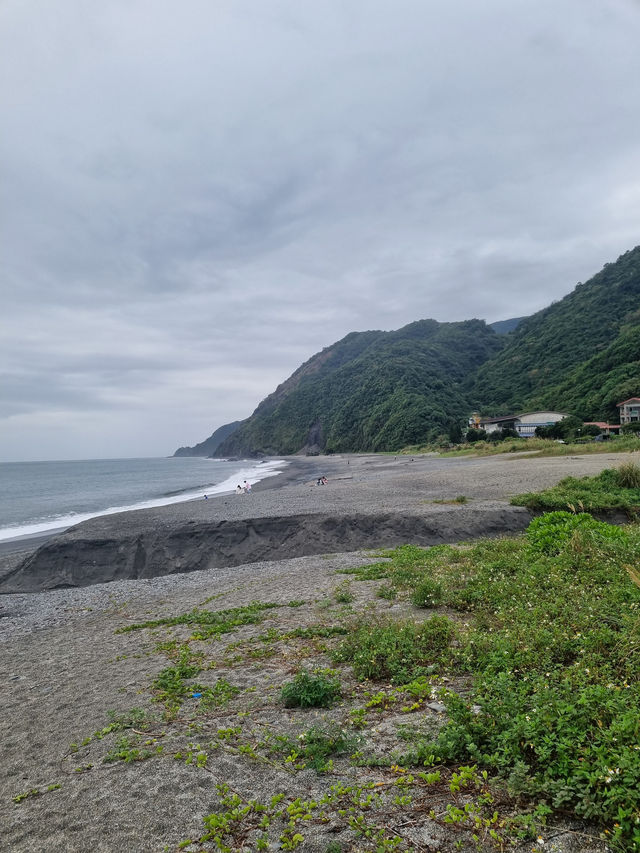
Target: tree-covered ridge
x: 385, y: 390
x: 372, y: 391
x: 209, y: 446
x: 559, y: 357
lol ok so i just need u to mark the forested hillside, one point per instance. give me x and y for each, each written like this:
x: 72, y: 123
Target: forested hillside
x: 209, y: 446
x: 371, y: 391
x: 386, y: 390
x: 579, y: 355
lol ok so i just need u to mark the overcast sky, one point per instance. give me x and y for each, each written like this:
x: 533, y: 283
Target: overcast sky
x: 197, y: 196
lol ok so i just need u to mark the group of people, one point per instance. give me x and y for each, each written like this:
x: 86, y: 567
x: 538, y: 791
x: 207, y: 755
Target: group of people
x: 322, y: 481
x: 245, y: 488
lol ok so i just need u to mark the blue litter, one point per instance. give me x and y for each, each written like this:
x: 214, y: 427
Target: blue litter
x: 196, y: 695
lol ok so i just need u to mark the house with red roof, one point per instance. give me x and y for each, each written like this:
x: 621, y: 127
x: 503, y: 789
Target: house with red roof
x: 605, y: 429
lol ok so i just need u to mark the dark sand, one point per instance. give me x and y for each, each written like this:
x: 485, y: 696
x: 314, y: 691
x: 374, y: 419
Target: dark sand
x: 62, y: 667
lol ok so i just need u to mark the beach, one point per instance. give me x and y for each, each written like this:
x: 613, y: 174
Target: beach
x: 64, y: 667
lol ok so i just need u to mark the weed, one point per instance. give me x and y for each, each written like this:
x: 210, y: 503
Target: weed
x: 126, y: 749
x: 388, y: 591
x: 32, y: 792
x: 343, y: 594
x: 219, y: 695
x: 396, y: 650
x: 316, y: 747
x: 553, y: 652
x: 311, y: 690
x: 373, y: 572
x: 628, y: 475
x: 210, y: 623
x: 428, y: 593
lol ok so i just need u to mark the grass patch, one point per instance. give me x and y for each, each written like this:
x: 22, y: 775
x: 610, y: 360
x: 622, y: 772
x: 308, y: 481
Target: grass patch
x: 209, y: 623
x: 612, y: 489
x: 541, y: 446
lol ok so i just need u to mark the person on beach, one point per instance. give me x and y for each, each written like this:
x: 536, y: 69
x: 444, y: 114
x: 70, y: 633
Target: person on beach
x: 238, y: 489
x: 247, y: 487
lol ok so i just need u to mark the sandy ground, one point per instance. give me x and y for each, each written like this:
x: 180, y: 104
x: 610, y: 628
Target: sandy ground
x: 63, y: 667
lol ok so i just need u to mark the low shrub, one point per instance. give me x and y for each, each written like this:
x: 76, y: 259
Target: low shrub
x: 550, y: 533
x: 628, y: 475
x: 396, y: 651
x: 311, y: 690
x: 428, y: 593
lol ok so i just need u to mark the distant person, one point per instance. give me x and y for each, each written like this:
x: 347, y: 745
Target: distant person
x: 247, y: 487
x: 319, y: 483
x: 238, y: 489
x: 206, y: 498
x: 324, y: 481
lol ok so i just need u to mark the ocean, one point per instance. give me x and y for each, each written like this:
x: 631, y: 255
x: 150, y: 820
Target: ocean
x: 40, y: 497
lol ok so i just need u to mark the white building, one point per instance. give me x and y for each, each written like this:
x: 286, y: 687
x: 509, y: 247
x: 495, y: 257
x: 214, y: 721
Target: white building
x: 629, y: 410
x: 525, y: 425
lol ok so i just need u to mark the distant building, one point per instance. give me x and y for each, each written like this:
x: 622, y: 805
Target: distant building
x: 629, y: 410
x: 525, y: 425
x: 605, y: 429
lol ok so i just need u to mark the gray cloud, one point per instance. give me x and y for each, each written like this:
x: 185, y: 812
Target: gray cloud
x: 198, y: 198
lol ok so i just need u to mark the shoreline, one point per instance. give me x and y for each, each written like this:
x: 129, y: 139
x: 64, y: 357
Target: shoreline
x: 370, y: 501
x: 14, y: 550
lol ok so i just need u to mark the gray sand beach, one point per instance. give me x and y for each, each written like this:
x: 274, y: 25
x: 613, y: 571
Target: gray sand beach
x: 63, y: 667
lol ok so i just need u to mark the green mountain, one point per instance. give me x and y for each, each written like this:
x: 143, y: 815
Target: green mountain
x: 580, y: 355
x: 386, y: 390
x: 503, y: 327
x: 209, y: 446
x: 371, y: 391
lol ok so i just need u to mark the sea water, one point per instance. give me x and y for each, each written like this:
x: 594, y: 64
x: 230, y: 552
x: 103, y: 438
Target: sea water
x: 40, y: 497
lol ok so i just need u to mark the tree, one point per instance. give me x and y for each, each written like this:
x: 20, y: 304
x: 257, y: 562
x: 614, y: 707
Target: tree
x: 455, y: 432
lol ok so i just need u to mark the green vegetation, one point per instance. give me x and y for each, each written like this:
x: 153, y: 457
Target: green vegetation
x: 552, y: 646
x: 372, y: 391
x: 396, y: 651
x: 540, y: 446
x: 317, y: 747
x: 579, y: 355
x: 210, y: 623
x: 311, y: 690
x: 35, y: 792
x: 612, y: 489
x: 384, y: 391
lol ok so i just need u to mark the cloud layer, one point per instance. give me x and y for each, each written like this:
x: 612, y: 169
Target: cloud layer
x: 199, y: 196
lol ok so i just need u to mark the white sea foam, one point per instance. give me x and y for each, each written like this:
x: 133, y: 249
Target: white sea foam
x: 251, y: 472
